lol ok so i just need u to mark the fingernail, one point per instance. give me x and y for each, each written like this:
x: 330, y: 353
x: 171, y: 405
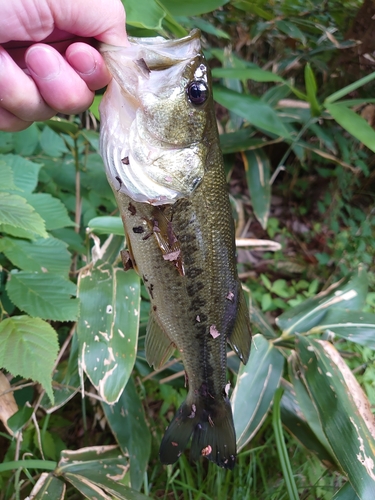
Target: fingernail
x: 43, y: 62
x: 82, y: 61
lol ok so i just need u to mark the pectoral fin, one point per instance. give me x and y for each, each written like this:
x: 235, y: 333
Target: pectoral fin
x: 240, y: 338
x: 159, y: 348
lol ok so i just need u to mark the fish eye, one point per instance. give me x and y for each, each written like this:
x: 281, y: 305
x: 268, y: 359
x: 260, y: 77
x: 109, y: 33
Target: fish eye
x: 197, y: 92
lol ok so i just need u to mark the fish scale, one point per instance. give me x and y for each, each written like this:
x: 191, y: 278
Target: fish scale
x: 184, y: 250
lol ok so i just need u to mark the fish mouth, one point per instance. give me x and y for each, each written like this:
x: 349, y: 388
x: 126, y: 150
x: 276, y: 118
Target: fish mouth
x: 145, y: 155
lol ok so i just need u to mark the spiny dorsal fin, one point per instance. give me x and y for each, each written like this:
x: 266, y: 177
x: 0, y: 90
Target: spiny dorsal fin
x: 240, y: 338
x: 159, y: 348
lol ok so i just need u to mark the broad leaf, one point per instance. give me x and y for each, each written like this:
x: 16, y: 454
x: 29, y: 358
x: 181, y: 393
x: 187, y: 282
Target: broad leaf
x: 346, y: 492
x: 341, y: 405
x: 106, y: 225
x: 45, y: 255
x: 48, y: 487
x: 52, y: 143
x: 51, y: 209
x: 193, y: 7
x: 16, y: 212
x: 25, y: 172
x: 297, y: 424
x: 146, y: 14
x: 97, y: 472
x: 257, y: 169
x: 108, y: 327
x: 26, y: 141
x: 253, y: 109
x: 255, y: 387
x: 6, y: 177
x: 126, y: 419
x: 28, y: 347
x: 45, y: 295
x: 353, y: 123
x: 349, y: 293
x: 358, y: 327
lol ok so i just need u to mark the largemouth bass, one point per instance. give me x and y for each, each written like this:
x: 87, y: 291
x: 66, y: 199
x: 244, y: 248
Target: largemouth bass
x: 160, y: 145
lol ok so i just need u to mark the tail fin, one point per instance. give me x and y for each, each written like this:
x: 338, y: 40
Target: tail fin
x: 213, y: 434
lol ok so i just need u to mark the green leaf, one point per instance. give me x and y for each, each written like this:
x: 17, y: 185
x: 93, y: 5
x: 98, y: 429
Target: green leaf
x: 19, y: 419
x: 282, y: 450
x: 260, y: 322
x: 254, y: 110
x: 349, y: 293
x: 307, y: 407
x: 6, y: 178
x: 45, y: 295
x: 349, y: 88
x: 240, y: 140
x: 346, y: 492
x: 48, y: 487
x: 52, y: 143
x: 209, y: 28
x: 25, y: 172
x: 26, y: 141
x: 353, y: 123
x: 108, y: 327
x: 291, y: 30
x: 298, y: 426
x: 28, y: 347
x: 127, y: 421
x: 255, y: 387
x: 16, y: 212
x: 343, y: 410
x: 60, y: 125
x: 46, y: 255
x: 6, y: 142
x: 193, y: 7
x: 311, y: 90
x: 358, y: 327
x: 256, y: 74
x: 94, y: 108
x: 146, y: 14
x: 97, y: 468
x: 51, y: 209
x: 257, y: 168
x: 106, y: 225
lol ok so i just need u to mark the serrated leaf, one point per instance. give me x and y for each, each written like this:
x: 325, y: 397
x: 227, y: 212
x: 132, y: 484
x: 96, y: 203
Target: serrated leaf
x: 28, y: 347
x: 45, y: 295
x: 258, y: 171
x: 341, y: 406
x: 358, y: 327
x: 51, y: 209
x: 60, y: 125
x: 253, y: 109
x: 45, y: 255
x: 6, y: 142
x: 108, y: 327
x: 349, y: 293
x: 255, y: 387
x: 26, y: 141
x: 106, y: 225
x: 353, y: 123
x: 25, y: 172
x: 52, y: 143
x: 127, y: 421
x: 6, y: 177
x: 17, y: 213
x: 48, y: 487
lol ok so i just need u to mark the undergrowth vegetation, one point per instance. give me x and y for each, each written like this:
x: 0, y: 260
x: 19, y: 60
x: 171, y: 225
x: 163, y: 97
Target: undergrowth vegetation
x: 298, y: 141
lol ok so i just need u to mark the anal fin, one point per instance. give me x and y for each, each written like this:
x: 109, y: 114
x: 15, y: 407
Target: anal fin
x: 240, y: 338
x: 158, y: 346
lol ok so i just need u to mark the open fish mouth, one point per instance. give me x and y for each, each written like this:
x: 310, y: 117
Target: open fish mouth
x: 153, y: 120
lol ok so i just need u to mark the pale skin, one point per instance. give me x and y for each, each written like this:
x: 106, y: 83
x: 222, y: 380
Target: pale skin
x: 48, y: 63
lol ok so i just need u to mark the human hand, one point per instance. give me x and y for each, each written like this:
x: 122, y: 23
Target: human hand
x: 37, y: 80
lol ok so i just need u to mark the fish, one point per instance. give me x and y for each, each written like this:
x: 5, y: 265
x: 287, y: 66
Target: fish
x: 160, y: 146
